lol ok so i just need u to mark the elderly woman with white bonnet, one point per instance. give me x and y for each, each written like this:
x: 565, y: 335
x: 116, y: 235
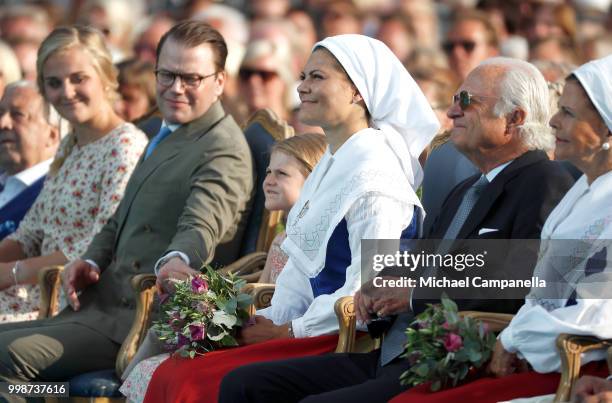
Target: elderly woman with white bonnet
x: 376, y: 122
x: 575, y: 258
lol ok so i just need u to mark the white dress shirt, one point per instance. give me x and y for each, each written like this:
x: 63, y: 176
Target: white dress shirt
x: 15, y: 184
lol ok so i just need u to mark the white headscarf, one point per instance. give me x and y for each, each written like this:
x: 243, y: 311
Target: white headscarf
x: 396, y: 104
x: 596, y: 79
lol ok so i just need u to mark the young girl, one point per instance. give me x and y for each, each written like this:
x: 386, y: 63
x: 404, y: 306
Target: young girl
x: 86, y: 180
x: 291, y: 161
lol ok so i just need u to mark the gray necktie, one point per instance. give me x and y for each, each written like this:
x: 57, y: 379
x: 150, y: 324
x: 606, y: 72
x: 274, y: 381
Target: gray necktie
x: 467, y: 204
x: 395, y: 338
x: 393, y: 344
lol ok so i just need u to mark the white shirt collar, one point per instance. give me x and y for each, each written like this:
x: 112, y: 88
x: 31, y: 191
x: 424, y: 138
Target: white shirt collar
x: 171, y: 126
x: 32, y: 174
x: 495, y: 171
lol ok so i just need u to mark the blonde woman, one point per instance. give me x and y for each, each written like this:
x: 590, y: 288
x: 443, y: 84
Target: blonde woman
x: 87, y: 179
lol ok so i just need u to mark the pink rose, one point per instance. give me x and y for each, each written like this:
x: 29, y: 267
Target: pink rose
x: 453, y: 342
x: 182, y: 341
x: 199, y: 285
x: 196, y: 332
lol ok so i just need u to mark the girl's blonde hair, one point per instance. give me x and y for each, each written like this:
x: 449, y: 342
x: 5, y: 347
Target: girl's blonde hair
x: 307, y: 148
x: 91, y: 41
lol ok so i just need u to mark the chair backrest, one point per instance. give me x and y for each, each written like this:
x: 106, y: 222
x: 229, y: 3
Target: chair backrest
x: 262, y: 131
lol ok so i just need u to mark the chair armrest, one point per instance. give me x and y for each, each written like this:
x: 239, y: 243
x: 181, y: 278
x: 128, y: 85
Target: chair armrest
x: 347, y: 324
x: 49, y: 282
x: 144, y: 286
x: 261, y: 293
x: 248, y: 267
x: 571, y: 347
x: 496, y: 321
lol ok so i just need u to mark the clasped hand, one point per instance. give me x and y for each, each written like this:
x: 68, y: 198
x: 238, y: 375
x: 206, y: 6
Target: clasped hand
x: 262, y: 329
x: 382, y: 301
x: 504, y: 363
x: 173, y: 269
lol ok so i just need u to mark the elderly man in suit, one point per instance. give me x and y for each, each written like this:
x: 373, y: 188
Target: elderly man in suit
x: 28, y: 143
x: 186, y: 203
x: 500, y: 123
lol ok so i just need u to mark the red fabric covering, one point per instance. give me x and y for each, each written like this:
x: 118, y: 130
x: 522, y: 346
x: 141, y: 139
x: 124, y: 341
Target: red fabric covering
x: 198, y: 380
x: 492, y: 390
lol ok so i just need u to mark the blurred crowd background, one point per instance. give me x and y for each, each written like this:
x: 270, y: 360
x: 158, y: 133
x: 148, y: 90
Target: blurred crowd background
x: 269, y: 41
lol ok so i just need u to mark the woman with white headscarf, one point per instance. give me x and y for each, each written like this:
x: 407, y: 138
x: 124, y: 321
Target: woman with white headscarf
x: 575, y: 258
x: 377, y: 122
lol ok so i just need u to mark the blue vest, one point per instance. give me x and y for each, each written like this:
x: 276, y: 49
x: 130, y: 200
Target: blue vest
x: 338, y: 257
x: 13, y: 212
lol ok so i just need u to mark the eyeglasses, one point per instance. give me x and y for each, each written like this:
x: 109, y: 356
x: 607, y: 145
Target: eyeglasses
x: 266, y: 75
x: 166, y: 78
x: 468, y: 46
x: 465, y: 99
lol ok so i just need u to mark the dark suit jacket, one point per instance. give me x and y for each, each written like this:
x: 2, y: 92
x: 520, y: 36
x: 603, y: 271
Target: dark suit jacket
x: 13, y: 212
x: 191, y: 195
x: 516, y: 203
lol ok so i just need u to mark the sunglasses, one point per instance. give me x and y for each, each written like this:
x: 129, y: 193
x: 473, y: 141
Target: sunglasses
x: 468, y: 46
x: 465, y: 99
x: 245, y: 74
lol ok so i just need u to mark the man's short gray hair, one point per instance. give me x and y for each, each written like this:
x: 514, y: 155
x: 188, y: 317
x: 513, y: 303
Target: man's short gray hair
x: 523, y: 86
x: 49, y: 112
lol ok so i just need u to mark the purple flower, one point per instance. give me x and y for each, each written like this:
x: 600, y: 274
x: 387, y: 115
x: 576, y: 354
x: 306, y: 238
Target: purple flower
x: 199, y: 285
x: 197, y: 332
x: 182, y: 341
x: 453, y: 342
x: 446, y: 326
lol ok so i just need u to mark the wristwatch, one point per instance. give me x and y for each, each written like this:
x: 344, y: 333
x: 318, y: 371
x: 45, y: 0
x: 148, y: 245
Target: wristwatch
x: 290, y: 331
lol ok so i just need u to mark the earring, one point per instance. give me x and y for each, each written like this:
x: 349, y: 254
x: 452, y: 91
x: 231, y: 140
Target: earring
x: 605, y: 146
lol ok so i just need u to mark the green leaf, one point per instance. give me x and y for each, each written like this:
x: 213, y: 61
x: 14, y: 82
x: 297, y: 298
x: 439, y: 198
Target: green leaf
x: 217, y: 337
x: 222, y: 318
x: 436, y: 385
x: 422, y: 369
x: 448, y: 304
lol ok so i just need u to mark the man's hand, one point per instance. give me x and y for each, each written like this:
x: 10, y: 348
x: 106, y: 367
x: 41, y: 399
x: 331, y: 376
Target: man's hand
x: 174, y: 268
x: 263, y: 329
x: 76, y: 276
x: 382, y: 301
x: 504, y: 363
x: 590, y: 389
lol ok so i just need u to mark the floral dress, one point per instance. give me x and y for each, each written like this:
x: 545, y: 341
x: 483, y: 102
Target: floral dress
x: 73, y: 206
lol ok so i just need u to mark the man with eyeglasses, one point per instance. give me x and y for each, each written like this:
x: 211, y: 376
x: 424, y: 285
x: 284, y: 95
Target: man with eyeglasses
x: 500, y: 122
x: 185, y: 205
x: 470, y: 40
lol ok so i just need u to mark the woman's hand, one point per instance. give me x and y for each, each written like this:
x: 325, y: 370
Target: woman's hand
x: 6, y: 275
x: 592, y: 389
x: 504, y: 363
x: 262, y: 330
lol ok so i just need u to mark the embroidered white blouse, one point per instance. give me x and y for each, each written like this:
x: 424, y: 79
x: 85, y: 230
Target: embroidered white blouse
x: 585, y: 213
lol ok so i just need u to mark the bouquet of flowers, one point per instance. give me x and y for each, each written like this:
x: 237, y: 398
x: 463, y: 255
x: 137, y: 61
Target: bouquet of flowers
x: 442, y: 347
x: 203, y: 314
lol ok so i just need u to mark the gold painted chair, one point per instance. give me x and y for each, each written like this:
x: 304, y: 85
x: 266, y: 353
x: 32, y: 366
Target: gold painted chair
x: 570, y: 347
